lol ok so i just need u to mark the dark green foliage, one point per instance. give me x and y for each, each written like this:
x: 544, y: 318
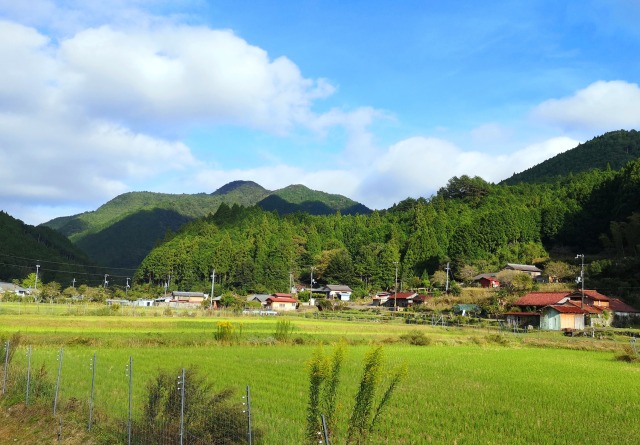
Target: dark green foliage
x: 21, y: 244
x: 210, y: 416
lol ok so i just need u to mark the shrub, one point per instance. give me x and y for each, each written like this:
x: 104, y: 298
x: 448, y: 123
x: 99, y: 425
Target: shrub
x: 210, y: 416
x: 284, y: 329
x: 417, y: 338
x: 227, y: 331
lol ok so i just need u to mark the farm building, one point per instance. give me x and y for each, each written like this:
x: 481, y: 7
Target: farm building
x: 559, y: 317
x: 188, y: 297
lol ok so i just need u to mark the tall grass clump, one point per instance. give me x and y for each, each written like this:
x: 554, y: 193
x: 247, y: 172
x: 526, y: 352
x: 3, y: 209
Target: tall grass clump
x: 227, y: 331
x: 629, y: 354
x: 284, y: 329
x: 324, y: 380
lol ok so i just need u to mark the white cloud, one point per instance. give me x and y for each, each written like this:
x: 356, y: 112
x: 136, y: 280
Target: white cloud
x: 180, y: 74
x: 602, y: 106
x: 84, y: 117
x: 419, y: 166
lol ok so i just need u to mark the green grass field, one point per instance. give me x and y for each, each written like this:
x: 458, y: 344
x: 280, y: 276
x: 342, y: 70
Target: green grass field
x: 470, y: 386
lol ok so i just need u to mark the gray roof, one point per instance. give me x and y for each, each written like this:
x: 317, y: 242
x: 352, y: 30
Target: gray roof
x: 522, y: 267
x: 338, y: 288
x: 485, y: 275
x: 258, y: 297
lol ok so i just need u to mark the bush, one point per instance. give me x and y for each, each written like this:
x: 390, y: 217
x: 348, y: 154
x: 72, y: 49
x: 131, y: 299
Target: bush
x: 227, y: 331
x: 209, y: 416
x: 284, y: 329
x: 417, y: 338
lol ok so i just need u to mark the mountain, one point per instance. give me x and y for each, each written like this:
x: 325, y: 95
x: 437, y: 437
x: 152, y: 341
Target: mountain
x: 121, y: 232
x: 23, y: 246
x: 298, y: 198
x: 611, y: 150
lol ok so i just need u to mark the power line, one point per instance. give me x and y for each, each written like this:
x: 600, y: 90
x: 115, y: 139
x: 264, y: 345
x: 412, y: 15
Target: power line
x: 67, y: 264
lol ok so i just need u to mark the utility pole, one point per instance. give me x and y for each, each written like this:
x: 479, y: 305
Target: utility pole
x: 73, y: 283
x: 126, y: 288
x: 395, y: 289
x: 581, y: 278
x: 446, y: 286
x: 311, y: 283
x: 213, y: 280
x: 36, y: 283
x: 105, y: 280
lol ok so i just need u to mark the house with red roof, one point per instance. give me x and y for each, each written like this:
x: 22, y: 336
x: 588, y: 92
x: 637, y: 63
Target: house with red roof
x: 539, y: 300
x: 562, y: 310
x: 399, y: 300
x: 281, y: 302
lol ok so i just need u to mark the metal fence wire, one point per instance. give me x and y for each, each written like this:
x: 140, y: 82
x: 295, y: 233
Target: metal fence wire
x: 176, y: 409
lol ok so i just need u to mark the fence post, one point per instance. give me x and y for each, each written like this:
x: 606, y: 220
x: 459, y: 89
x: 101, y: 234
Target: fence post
x: 181, y: 387
x: 55, y: 399
x: 93, y: 385
x: 6, y: 365
x: 28, y: 374
x: 324, y: 431
x: 249, y: 414
x: 130, y: 370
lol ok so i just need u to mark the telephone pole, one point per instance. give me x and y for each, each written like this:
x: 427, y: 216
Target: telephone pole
x: 581, y: 257
x: 213, y: 280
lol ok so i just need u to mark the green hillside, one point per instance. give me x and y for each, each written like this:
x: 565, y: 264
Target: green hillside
x: 298, y: 198
x: 121, y: 232
x: 611, y: 150
x: 470, y: 224
x: 23, y: 246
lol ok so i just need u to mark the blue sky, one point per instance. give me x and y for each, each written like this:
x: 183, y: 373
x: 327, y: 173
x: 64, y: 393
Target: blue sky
x: 378, y: 101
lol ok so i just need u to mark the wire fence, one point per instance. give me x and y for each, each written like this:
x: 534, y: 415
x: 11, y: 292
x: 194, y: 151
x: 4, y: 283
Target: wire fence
x: 176, y: 407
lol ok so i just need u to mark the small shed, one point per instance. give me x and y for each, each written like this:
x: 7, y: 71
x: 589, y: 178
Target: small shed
x: 489, y: 282
x: 559, y: 317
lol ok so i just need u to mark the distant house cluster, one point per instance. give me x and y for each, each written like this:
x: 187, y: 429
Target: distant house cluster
x: 490, y: 280
x: 557, y: 311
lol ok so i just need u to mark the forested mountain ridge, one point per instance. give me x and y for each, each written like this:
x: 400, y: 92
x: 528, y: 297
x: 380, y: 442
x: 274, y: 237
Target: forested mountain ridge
x: 610, y: 150
x: 470, y: 224
x: 122, y: 231
x: 23, y: 246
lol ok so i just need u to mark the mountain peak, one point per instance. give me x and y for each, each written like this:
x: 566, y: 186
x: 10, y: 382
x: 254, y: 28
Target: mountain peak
x: 235, y: 185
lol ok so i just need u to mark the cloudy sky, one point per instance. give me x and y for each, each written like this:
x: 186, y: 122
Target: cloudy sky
x: 375, y: 100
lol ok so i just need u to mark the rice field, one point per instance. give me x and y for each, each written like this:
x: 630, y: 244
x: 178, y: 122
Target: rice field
x: 467, y: 387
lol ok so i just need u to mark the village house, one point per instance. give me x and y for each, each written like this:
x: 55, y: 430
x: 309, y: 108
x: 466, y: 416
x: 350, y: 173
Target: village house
x: 337, y: 291
x: 10, y: 288
x: 281, y: 302
x: 567, y: 310
x: 531, y: 270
